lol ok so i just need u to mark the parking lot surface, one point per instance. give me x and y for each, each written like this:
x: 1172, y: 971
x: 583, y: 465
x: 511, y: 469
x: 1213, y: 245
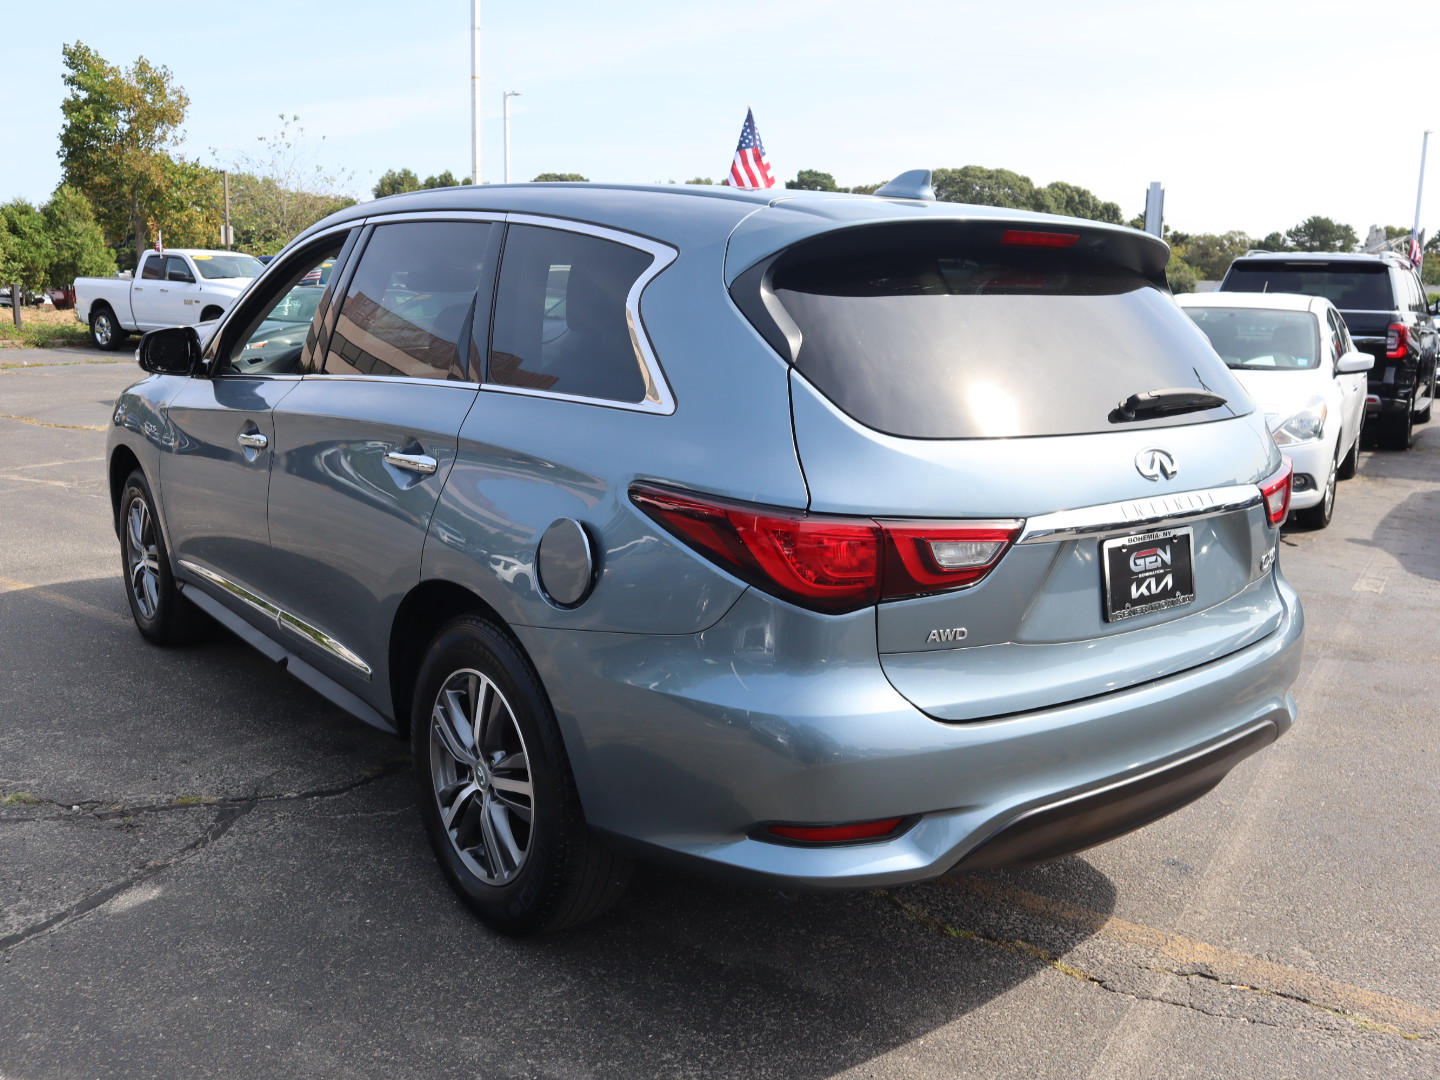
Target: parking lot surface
x: 208, y: 871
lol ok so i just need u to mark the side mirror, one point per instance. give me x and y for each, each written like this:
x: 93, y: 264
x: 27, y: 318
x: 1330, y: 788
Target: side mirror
x: 1354, y: 362
x: 174, y: 350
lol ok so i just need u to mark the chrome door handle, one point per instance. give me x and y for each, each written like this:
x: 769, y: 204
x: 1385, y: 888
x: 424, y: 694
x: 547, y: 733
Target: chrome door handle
x: 255, y: 441
x: 416, y: 463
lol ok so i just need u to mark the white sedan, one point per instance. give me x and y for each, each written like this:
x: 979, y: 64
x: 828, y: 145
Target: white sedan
x: 1294, y: 357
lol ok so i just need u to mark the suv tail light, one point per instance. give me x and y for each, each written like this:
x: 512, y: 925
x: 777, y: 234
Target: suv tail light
x: 1397, y: 340
x: 828, y: 562
x: 1276, y: 490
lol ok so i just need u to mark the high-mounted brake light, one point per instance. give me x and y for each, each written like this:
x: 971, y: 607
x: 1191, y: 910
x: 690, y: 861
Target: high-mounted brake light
x: 1029, y: 238
x: 827, y: 562
x: 1276, y: 490
x: 1397, y: 340
x: 837, y: 834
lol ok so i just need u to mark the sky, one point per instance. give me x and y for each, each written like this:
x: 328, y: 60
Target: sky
x: 1254, y: 115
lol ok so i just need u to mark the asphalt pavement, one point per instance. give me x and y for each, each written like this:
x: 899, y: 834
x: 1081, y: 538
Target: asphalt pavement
x: 208, y: 871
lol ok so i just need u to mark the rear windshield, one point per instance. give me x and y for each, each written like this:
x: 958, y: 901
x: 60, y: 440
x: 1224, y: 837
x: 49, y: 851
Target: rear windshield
x: 1261, y: 338
x: 993, y: 343
x: 1349, y: 286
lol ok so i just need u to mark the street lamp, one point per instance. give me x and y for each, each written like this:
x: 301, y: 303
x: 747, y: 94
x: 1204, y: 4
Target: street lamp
x: 505, y: 104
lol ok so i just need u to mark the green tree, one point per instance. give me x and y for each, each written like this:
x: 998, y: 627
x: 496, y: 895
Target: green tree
x: 445, y: 179
x: 984, y: 187
x: 1274, y: 241
x: 701, y: 180
x: 27, y: 245
x: 119, y: 128
x: 1062, y: 198
x: 1211, y: 254
x: 279, y: 189
x: 867, y: 189
x: 77, y: 244
x: 1180, y: 275
x: 559, y: 178
x: 812, y: 180
x: 396, y: 183
x: 1321, y: 234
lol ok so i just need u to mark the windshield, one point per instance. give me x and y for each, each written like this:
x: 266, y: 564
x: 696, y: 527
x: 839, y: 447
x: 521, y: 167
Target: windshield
x: 987, y: 343
x: 228, y: 266
x: 1256, y: 338
x: 1350, y: 286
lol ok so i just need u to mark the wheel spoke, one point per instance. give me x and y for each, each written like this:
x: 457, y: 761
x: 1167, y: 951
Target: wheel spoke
x: 505, y: 854
x: 463, y: 794
x: 450, y: 726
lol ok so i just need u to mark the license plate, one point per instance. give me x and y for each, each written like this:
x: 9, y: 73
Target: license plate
x: 1148, y: 572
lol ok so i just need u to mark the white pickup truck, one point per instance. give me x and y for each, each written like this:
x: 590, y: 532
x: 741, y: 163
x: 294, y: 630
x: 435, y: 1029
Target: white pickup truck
x: 169, y: 288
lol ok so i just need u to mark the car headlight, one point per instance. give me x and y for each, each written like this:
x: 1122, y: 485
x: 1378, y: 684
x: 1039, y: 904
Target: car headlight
x: 1307, y: 424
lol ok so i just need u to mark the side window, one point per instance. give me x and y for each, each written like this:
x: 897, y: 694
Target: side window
x: 275, y: 334
x: 560, y: 318
x: 176, y: 270
x: 153, y: 268
x: 407, y: 302
x: 1337, y: 333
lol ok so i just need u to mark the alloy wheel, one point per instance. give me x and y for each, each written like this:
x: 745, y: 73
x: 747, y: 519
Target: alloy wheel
x: 480, y: 774
x: 142, y: 558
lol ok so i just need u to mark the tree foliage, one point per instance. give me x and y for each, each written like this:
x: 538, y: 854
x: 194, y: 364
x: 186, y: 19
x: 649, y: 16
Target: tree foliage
x: 119, y: 129
x: 27, y: 250
x: 1211, y: 254
x: 980, y: 186
x: 77, y: 244
x: 812, y: 180
x: 559, y: 178
x: 395, y: 182
x: 280, y: 189
x: 1321, y: 234
x: 1072, y: 201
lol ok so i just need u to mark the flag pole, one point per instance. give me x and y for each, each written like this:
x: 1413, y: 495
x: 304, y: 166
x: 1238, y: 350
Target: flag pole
x: 475, y: 91
x: 1420, y: 189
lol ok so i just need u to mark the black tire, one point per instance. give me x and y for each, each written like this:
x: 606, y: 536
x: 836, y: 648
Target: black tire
x: 1397, y: 429
x: 162, y: 615
x: 1319, y: 515
x: 500, y: 806
x: 104, y: 330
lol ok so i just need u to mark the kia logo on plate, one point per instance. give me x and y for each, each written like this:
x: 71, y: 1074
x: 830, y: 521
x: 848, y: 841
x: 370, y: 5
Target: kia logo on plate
x: 1154, y: 463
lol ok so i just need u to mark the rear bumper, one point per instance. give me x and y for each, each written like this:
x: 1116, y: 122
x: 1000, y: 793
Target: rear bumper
x: 684, y: 745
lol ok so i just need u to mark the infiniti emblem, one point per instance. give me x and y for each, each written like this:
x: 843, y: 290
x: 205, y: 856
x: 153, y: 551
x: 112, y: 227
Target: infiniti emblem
x: 1154, y: 463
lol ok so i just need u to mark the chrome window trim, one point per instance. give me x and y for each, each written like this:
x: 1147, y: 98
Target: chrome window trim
x: 389, y: 380
x: 282, y: 618
x: 658, y: 396
x: 1160, y: 511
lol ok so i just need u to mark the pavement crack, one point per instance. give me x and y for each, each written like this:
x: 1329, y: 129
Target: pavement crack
x: 225, y: 820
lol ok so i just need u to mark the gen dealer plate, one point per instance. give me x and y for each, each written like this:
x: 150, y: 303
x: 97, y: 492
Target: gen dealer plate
x: 1148, y: 572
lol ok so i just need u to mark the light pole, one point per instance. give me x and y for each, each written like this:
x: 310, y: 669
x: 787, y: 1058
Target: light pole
x: 505, y: 105
x: 1420, y: 191
x: 475, y: 91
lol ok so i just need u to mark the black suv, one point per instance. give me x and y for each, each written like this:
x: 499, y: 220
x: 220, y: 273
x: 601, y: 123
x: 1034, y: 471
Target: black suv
x: 1384, y: 307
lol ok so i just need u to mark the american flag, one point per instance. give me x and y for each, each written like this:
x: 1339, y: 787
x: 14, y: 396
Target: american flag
x: 750, y: 169
x: 1417, y: 256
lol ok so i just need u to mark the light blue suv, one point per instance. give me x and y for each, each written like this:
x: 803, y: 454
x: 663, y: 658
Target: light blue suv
x: 820, y: 541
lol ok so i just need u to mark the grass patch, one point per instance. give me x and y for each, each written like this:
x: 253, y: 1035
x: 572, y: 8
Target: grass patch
x: 196, y: 800
x: 20, y: 798
x: 43, y: 329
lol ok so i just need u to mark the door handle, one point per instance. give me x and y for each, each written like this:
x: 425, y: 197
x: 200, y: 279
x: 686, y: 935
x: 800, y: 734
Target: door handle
x: 254, y: 441
x: 416, y: 463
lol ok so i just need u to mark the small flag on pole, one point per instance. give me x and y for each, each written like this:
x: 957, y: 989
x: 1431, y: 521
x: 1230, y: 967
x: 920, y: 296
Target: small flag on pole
x: 1417, y: 256
x: 750, y: 169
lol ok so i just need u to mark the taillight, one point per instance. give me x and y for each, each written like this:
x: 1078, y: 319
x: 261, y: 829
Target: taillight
x: 837, y: 834
x: 1036, y: 238
x: 1276, y: 490
x: 827, y: 562
x: 1397, y: 340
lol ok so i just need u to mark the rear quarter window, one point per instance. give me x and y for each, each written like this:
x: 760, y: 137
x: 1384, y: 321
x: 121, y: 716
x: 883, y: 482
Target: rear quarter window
x: 991, y: 343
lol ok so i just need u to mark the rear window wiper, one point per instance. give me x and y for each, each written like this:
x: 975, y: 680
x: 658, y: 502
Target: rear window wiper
x: 1167, y: 402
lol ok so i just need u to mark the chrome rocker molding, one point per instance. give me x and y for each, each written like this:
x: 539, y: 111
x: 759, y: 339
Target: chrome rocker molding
x: 1159, y: 512
x: 312, y: 634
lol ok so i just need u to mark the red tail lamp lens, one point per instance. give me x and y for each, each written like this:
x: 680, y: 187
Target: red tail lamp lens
x: 825, y: 562
x: 1397, y: 341
x: 1276, y: 489
x: 1026, y: 238
x: 837, y: 834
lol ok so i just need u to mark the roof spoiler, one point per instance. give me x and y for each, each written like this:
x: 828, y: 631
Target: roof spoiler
x: 914, y: 184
